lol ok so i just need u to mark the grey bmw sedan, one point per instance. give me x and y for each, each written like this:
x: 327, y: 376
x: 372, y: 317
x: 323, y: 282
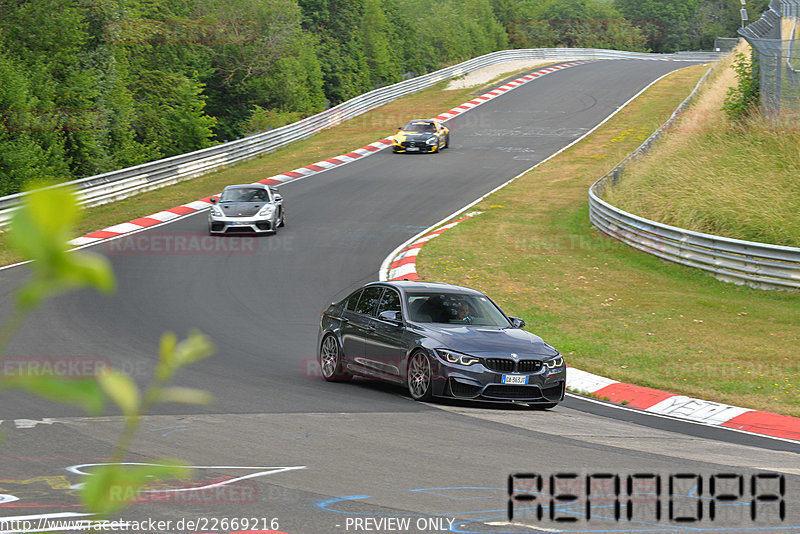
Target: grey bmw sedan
x: 439, y: 340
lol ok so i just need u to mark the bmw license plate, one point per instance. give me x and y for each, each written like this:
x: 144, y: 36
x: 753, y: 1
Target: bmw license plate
x: 515, y: 379
x: 412, y: 148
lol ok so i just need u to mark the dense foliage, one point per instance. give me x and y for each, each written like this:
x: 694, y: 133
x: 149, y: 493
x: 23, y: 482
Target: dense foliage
x: 742, y: 100
x: 89, y: 86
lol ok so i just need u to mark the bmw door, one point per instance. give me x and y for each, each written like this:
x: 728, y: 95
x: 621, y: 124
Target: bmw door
x: 386, y: 345
x: 357, y: 326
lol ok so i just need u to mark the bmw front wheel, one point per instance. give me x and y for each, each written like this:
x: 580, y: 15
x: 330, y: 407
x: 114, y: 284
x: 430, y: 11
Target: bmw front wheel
x: 420, y: 382
x: 330, y: 361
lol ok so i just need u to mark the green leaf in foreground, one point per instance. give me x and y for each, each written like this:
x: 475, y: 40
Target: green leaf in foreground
x: 114, y: 486
x: 84, y: 393
x: 40, y: 231
x: 122, y: 390
x: 185, y: 396
x: 173, y: 354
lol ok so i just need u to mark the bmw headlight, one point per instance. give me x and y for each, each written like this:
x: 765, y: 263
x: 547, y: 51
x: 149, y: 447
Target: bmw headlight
x: 456, y: 357
x: 555, y: 362
x: 216, y: 212
x: 267, y: 211
x: 432, y: 141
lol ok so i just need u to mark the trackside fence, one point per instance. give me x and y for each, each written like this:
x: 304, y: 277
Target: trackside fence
x: 758, y: 265
x: 116, y: 185
x: 775, y: 40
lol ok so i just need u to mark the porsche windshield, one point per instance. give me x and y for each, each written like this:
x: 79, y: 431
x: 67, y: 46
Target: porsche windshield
x: 244, y: 194
x: 454, y: 308
x: 419, y: 127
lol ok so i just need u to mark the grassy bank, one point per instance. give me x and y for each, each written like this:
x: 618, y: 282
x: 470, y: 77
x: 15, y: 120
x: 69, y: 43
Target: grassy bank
x: 711, y: 176
x: 610, y: 309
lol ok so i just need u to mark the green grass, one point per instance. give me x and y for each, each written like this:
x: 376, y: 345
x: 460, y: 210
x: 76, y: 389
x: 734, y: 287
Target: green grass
x: 613, y: 310
x: 710, y: 176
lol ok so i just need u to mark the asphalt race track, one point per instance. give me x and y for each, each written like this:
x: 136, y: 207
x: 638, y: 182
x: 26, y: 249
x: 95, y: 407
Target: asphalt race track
x: 280, y: 443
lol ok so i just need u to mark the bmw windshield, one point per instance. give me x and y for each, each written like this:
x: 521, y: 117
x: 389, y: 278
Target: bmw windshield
x: 454, y: 309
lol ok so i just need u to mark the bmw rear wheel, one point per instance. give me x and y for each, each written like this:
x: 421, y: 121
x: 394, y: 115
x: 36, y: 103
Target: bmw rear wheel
x: 420, y: 382
x: 330, y: 361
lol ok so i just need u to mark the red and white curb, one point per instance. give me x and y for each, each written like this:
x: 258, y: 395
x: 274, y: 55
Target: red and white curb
x: 404, y: 267
x: 315, y: 168
x: 679, y: 406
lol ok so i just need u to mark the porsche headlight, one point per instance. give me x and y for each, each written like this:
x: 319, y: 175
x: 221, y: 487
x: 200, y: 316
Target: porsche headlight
x: 456, y: 357
x: 267, y: 211
x: 555, y: 362
x: 432, y: 141
x: 216, y: 212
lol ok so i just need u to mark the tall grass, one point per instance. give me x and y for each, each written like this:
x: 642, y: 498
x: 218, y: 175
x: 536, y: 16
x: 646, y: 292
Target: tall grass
x: 711, y: 175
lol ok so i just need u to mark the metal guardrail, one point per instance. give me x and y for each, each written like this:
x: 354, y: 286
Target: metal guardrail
x: 758, y: 265
x: 116, y: 185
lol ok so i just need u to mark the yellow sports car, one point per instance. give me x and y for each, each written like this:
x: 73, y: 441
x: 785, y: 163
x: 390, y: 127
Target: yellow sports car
x: 421, y: 135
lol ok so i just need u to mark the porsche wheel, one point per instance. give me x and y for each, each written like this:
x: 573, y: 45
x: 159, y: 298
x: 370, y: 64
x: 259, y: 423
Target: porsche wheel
x: 282, y: 222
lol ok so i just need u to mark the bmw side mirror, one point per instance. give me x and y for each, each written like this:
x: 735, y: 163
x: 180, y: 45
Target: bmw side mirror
x: 391, y: 316
x: 516, y: 322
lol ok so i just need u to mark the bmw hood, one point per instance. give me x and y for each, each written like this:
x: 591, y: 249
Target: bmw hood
x: 489, y: 342
x: 241, y: 209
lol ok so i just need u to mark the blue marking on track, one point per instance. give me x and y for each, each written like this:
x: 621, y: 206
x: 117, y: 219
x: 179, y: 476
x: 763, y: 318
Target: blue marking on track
x: 170, y: 428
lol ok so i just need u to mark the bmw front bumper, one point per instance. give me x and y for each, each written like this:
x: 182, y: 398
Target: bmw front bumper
x: 477, y: 382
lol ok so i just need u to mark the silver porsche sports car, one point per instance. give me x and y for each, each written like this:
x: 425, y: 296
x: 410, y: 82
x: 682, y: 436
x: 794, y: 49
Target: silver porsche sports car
x: 251, y: 208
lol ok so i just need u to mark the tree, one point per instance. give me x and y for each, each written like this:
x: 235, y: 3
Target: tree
x: 31, y: 147
x: 337, y: 26
x: 376, y: 43
x: 666, y: 23
x: 271, y: 64
x: 575, y: 23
